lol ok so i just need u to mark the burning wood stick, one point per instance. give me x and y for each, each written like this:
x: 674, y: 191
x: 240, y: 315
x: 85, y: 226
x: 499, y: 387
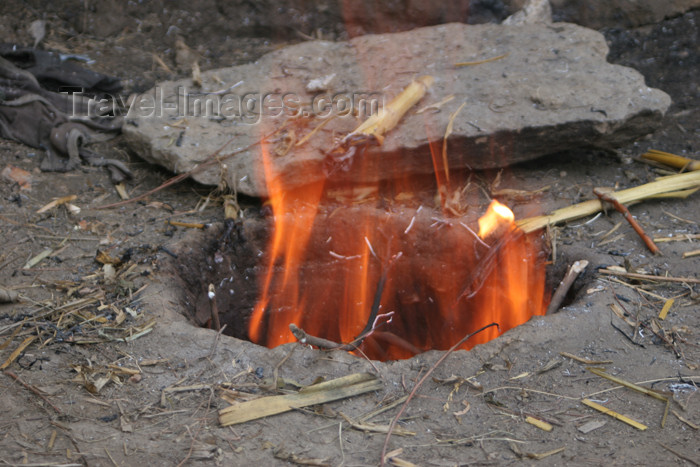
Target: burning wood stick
x: 571, y: 274
x: 666, y: 185
x: 622, y: 209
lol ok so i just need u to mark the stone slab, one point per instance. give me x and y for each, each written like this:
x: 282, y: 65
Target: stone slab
x: 552, y: 91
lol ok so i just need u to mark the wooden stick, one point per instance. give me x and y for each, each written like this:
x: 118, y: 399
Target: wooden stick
x: 33, y: 389
x: 571, y: 274
x: 682, y: 456
x: 306, y: 338
x: 628, y: 216
x: 649, y: 277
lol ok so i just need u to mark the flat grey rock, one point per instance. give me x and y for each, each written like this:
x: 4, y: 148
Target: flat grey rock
x: 552, y: 91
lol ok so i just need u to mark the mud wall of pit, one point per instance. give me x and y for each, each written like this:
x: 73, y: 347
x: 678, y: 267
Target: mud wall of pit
x: 430, y: 277
x: 226, y: 255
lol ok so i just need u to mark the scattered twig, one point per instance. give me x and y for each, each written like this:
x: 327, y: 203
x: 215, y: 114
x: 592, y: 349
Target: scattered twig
x: 448, y: 132
x: 212, y: 159
x: 479, y: 62
x: 420, y: 383
x: 376, y: 303
x: 682, y: 456
x: 678, y: 238
x: 621, y: 208
x: 649, y: 277
x: 686, y: 421
x: 585, y: 361
x: 305, y: 338
x: 33, y: 389
x: 625, y: 334
x: 571, y: 274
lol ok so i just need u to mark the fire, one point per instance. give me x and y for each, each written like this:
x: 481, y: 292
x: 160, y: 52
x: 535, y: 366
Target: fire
x: 497, y: 217
x: 363, y: 264
x: 331, y: 268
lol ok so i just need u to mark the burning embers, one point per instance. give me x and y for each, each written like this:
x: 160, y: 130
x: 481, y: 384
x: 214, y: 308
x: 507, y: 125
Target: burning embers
x: 393, y: 277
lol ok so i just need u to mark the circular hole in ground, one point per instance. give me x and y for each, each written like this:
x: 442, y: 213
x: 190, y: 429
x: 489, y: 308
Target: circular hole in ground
x: 419, y: 281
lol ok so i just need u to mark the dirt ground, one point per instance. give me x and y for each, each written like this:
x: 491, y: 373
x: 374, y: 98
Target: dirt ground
x: 164, y: 379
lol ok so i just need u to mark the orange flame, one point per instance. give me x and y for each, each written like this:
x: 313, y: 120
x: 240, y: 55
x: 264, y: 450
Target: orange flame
x: 497, y: 217
x: 330, y: 267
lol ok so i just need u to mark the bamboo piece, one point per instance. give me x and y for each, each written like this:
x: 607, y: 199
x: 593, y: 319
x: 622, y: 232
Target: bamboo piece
x: 190, y: 225
x: 387, y: 118
x: 339, y: 388
x: 614, y: 414
x: 673, y: 183
x: 689, y: 254
x: 667, y: 306
x: 672, y: 160
x: 677, y: 238
x: 121, y: 190
x: 38, y: 258
x: 539, y: 423
x: 627, y: 384
x: 57, y: 202
x: 637, y: 388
